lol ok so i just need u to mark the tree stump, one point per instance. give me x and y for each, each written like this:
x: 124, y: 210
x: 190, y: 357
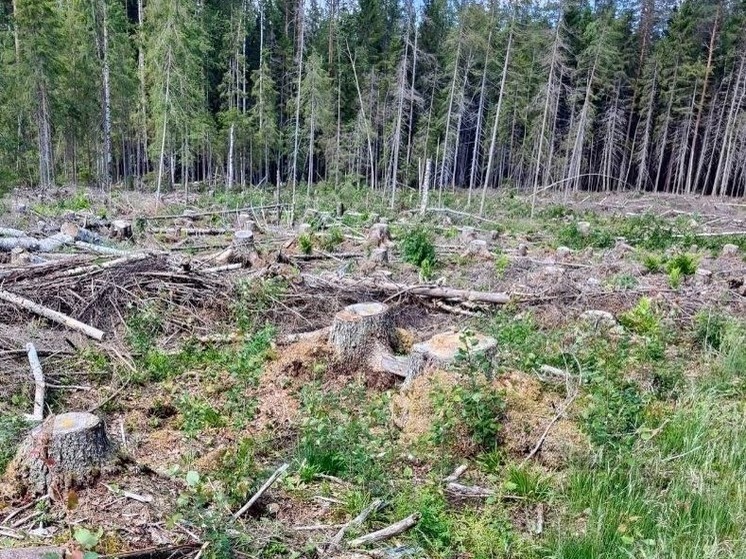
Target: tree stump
x: 245, y: 222
x: 477, y: 248
x: 361, y: 333
x: 379, y: 235
x: 120, y: 230
x: 442, y: 349
x: 380, y: 255
x: 66, y: 451
x: 468, y: 234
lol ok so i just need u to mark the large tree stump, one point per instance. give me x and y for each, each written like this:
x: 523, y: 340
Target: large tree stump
x: 120, y: 230
x: 442, y: 350
x: 361, y: 333
x: 66, y: 451
x: 379, y: 235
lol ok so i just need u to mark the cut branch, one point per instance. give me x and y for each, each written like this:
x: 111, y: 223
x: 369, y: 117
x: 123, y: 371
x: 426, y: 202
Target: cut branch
x: 388, y: 532
x: 262, y: 490
x: 52, y: 315
x: 40, y: 386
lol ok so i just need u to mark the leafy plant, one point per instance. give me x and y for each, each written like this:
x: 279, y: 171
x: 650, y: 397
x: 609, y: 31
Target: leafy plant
x: 527, y: 483
x: 331, y: 240
x: 418, y: 247
x: 502, y: 262
x: 709, y: 328
x: 198, y: 414
x: 642, y: 318
x: 685, y: 263
x: 674, y: 278
x: 305, y: 243
x: 653, y: 263
x: 12, y: 428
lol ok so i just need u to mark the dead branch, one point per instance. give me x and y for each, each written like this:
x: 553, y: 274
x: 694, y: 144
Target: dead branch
x: 387, y: 532
x: 457, y: 473
x: 469, y: 491
x: 267, y: 484
x: 52, y: 315
x: 214, y: 212
x: 354, y: 523
x: 101, y: 249
x: 40, y: 386
x: 435, y: 292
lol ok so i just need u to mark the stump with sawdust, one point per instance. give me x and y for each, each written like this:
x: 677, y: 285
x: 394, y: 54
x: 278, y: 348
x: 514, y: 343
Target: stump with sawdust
x: 442, y: 350
x: 362, y: 335
x: 67, y: 450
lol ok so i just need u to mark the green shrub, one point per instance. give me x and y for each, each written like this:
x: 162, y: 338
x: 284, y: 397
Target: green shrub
x: 418, y: 247
x: 305, y: 243
x: 527, y: 483
x: 569, y: 236
x: 653, y: 263
x: 685, y: 263
x: 642, y: 319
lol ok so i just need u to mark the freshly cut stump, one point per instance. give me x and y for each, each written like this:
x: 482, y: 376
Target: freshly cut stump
x: 361, y: 333
x: 67, y: 450
x: 441, y: 351
x: 379, y: 235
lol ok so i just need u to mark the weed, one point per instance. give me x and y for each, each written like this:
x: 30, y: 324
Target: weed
x: 305, y: 243
x: 12, y: 428
x: 569, y: 236
x: 474, y: 407
x: 197, y: 415
x: 653, y: 263
x: 686, y: 264
x: 642, y: 319
x: 527, y: 483
x: 237, y: 470
x: 331, y: 240
x: 254, y: 298
x: 502, y: 262
x: 417, y: 246
x: 674, y: 278
x: 435, y: 529
x: 709, y: 328
x: 624, y: 281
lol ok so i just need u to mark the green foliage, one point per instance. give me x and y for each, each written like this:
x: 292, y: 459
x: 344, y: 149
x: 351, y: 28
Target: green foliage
x: 197, y: 414
x: 337, y: 437
x: 330, y: 241
x: 87, y: 539
x: 12, y: 428
x: 643, y: 318
x: 305, y: 243
x: 473, y: 407
x: 502, y: 262
x: 569, y: 236
x: 686, y: 264
x: 417, y: 247
x: 709, y: 328
x: 653, y: 263
x: 527, y: 483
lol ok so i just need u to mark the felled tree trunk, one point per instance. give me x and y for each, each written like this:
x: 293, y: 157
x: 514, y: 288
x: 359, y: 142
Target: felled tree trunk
x: 66, y: 451
x: 442, y: 350
x: 80, y: 233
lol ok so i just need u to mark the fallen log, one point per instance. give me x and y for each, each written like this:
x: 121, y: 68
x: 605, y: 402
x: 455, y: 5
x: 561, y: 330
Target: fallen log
x: 52, y: 315
x: 80, y: 233
x: 214, y: 212
x: 50, y: 244
x: 388, y: 532
x: 8, y: 232
x: 434, y: 292
x: 189, y: 231
x: 468, y: 491
x: 101, y: 249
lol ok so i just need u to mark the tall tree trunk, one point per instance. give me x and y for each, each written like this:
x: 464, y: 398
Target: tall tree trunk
x: 694, y: 152
x: 296, y: 136
x: 493, y: 141
x: 163, y: 131
x: 478, y: 132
